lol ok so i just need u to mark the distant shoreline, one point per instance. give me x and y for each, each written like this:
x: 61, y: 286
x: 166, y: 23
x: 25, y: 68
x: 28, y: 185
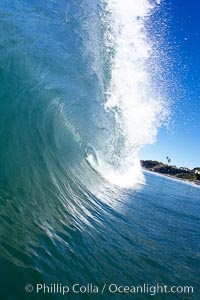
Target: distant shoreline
x: 181, y: 174
x: 196, y: 183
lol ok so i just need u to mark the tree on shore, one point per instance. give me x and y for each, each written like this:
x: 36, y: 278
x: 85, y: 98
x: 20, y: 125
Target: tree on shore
x: 168, y: 160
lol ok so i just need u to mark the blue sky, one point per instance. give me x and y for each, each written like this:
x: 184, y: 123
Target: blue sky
x: 181, y: 141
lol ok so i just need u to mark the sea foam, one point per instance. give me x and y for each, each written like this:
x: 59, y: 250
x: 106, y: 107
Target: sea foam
x: 138, y: 108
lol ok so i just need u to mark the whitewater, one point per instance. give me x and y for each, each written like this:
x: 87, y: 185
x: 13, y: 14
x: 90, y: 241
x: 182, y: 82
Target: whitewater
x: 138, y: 110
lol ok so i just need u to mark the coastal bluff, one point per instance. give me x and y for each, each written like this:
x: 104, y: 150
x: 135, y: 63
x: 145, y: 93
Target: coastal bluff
x: 183, y: 173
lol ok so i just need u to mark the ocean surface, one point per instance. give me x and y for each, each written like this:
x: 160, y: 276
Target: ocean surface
x: 79, y: 98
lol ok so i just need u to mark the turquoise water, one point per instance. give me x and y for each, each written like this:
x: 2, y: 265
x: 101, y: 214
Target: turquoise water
x: 147, y: 236
x: 70, y: 211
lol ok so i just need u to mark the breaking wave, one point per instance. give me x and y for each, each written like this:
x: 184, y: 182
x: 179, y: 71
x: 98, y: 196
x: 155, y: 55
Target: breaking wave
x: 78, y: 94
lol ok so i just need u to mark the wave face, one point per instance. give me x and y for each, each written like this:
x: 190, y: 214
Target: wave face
x: 77, y: 105
x: 76, y: 80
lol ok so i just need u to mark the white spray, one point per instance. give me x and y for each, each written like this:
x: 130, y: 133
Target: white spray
x: 139, y: 111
